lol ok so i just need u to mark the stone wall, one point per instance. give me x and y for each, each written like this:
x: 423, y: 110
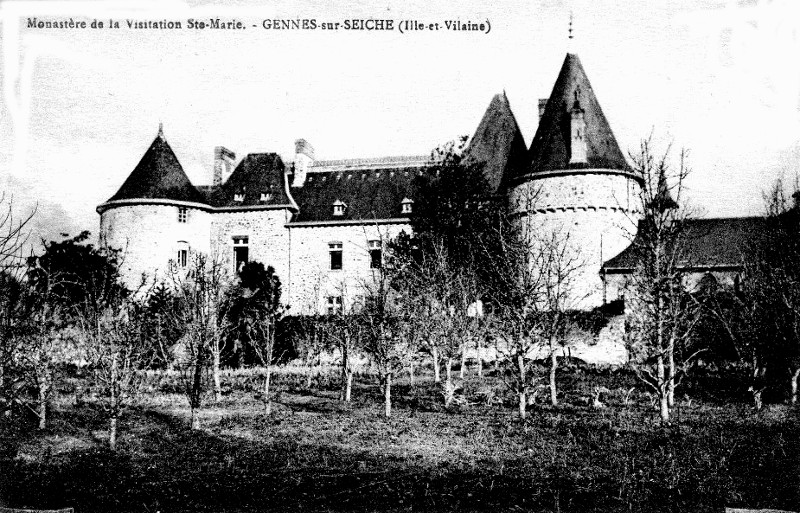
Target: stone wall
x: 150, y: 236
x: 312, y: 281
x: 268, y: 239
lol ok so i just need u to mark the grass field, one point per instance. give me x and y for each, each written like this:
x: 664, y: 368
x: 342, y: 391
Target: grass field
x: 316, y: 453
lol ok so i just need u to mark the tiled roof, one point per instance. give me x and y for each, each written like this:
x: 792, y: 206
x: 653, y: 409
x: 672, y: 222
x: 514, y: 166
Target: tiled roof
x: 368, y: 194
x: 550, y: 150
x: 257, y: 175
x: 158, y: 175
x: 707, y: 244
x: 497, y: 143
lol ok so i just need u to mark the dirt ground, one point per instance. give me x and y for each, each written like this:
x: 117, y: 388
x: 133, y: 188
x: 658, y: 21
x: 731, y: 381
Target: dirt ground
x: 315, y: 453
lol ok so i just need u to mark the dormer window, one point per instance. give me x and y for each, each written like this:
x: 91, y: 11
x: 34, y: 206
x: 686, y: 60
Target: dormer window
x: 266, y: 196
x: 238, y: 198
x: 405, y: 206
x: 338, y: 208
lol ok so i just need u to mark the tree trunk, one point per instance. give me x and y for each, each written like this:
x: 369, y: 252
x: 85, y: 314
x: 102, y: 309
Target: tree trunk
x: 463, y: 363
x: 44, y: 392
x: 671, y: 377
x: 664, y: 408
x: 449, y: 390
x: 196, y: 391
x: 758, y: 386
x: 42, y: 407
x: 523, y: 401
x: 215, y: 373
x: 112, y: 433
x: 411, y: 374
x: 553, y: 367
x: 663, y: 392
x: 348, y: 387
x: 449, y: 370
x: 437, y: 378
x: 267, y: 398
x: 195, y: 419
x: 309, y: 377
x: 345, y: 374
x: 387, y: 395
x: 478, y: 357
x: 756, y: 398
x: 794, y: 385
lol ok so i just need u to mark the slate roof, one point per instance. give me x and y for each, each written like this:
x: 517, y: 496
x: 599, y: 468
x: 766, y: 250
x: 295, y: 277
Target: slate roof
x: 708, y: 244
x: 256, y: 174
x: 368, y: 194
x: 550, y: 149
x: 158, y: 175
x: 497, y: 143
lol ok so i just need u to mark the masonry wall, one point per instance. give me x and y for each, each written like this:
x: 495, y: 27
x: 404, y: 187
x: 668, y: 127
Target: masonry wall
x: 268, y: 239
x: 313, y: 281
x: 150, y: 236
x: 597, y: 213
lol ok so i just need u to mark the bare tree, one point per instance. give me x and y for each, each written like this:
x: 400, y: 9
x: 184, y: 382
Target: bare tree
x: 13, y: 235
x: 310, y: 340
x: 663, y: 313
x: 43, y: 341
x: 346, y: 330
x: 199, y: 294
x: 118, y: 354
x: 380, y: 322
x: 536, y: 269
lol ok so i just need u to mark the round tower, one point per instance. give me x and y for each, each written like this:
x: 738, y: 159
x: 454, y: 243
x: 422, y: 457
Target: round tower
x: 157, y: 218
x: 577, y: 186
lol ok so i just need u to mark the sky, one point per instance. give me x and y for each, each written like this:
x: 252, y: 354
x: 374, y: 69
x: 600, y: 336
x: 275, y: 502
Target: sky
x: 79, y: 107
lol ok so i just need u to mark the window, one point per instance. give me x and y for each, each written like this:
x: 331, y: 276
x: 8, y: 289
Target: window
x: 238, y: 197
x: 338, y: 208
x: 183, y: 214
x: 266, y: 196
x: 375, y: 254
x: 335, y: 249
x: 334, y: 305
x: 240, y: 252
x: 182, y: 259
x: 405, y: 206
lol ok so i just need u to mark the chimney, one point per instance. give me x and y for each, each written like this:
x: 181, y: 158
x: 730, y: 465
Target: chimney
x: 303, y: 159
x: 577, y: 132
x: 223, y: 164
x: 542, y: 105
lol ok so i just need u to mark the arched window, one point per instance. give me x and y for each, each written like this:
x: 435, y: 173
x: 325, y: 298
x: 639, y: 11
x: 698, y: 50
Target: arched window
x: 182, y: 259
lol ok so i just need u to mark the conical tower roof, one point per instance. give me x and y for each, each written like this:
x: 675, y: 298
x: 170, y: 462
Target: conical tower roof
x: 158, y: 175
x: 550, y: 150
x: 497, y: 143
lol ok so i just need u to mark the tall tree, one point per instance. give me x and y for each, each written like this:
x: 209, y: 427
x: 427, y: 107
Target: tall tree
x: 663, y: 314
